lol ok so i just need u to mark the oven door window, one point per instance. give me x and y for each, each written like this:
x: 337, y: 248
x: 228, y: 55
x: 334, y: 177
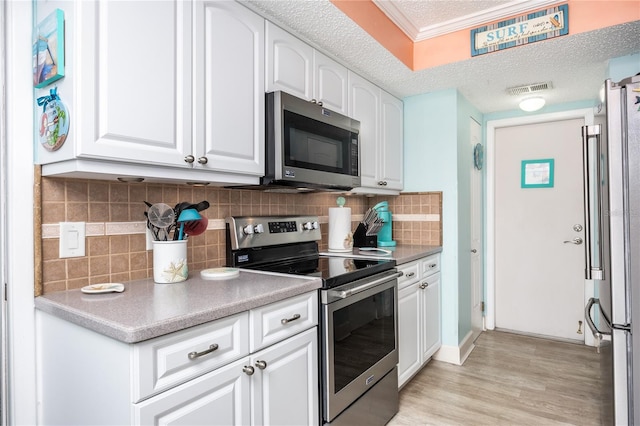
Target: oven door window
x: 311, y: 144
x: 363, y: 334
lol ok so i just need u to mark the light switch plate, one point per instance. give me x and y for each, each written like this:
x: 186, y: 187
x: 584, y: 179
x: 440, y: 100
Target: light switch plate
x: 72, y: 239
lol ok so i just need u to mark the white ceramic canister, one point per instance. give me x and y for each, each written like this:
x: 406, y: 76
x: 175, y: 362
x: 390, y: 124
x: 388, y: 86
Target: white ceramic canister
x: 170, y: 261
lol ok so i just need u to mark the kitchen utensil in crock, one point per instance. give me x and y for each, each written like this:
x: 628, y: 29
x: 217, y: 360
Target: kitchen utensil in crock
x: 197, y: 227
x: 187, y: 215
x: 202, y: 205
x: 162, y: 217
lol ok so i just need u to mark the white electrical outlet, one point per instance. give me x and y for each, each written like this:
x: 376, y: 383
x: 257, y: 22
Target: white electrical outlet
x: 149, y: 240
x: 72, y: 239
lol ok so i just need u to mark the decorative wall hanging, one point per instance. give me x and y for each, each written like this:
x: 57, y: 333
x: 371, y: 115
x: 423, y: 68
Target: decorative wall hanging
x: 537, y: 173
x: 48, y: 50
x: 54, y: 121
x: 523, y: 29
x: 478, y: 156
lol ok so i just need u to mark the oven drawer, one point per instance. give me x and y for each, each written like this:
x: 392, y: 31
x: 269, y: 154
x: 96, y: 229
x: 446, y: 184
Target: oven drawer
x: 280, y: 320
x: 430, y: 265
x: 178, y: 357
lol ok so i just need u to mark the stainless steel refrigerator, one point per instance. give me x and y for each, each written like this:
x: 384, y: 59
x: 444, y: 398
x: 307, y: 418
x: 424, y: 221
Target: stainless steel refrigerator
x: 612, y: 217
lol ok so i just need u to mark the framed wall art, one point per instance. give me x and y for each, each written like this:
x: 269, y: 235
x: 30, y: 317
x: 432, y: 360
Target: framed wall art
x: 48, y: 50
x: 537, y: 173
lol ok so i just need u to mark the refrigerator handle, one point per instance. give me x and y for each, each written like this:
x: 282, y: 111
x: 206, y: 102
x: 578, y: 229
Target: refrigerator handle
x: 597, y: 334
x: 593, y: 203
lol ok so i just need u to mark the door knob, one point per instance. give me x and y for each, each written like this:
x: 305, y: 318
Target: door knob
x: 577, y: 241
x: 474, y: 251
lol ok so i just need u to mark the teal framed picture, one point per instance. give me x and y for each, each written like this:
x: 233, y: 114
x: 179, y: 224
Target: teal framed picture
x: 48, y: 50
x: 537, y: 173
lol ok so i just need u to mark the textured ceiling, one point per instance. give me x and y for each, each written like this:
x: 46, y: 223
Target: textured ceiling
x: 575, y: 64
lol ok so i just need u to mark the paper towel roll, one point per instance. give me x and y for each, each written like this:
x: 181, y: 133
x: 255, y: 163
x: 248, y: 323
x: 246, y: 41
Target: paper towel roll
x: 340, y: 236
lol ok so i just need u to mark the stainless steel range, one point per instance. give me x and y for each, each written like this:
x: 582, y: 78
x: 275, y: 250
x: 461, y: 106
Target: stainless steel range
x: 358, y: 311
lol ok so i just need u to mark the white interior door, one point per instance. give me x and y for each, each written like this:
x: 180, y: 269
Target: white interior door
x: 476, y: 237
x: 539, y: 261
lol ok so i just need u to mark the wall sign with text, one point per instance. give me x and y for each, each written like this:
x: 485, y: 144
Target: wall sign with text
x: 524, y: 29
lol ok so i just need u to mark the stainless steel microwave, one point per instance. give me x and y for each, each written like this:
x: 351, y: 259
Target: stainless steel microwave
x: 309, y: 146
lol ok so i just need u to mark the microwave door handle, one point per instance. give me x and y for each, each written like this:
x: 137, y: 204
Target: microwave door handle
x: 593, y: 208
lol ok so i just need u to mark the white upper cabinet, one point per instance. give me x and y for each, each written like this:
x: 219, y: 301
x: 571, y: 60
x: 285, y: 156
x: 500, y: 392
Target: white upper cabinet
x: 381, y: 136
x: 229, y: 114
x: 296, y: 68
x: 289, y: 63
x: 331, y: 83
x: 390, y: 161
x: 133, y: 81
x: 166, y: 90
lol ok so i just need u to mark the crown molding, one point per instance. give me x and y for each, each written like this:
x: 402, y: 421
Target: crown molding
x: 416, y: 34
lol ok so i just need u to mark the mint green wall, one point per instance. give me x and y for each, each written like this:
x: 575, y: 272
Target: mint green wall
x: 438, y: 158
x: 430, y: 155
x: 465, y: 112
x: 623, y: 67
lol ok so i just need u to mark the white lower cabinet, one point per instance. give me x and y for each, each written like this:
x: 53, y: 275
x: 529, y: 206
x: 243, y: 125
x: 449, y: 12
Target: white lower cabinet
x: 203, y: 375
x: 274, y: 386
x: 419, y: 324
x: 284, y: 388
x: 221, y: 397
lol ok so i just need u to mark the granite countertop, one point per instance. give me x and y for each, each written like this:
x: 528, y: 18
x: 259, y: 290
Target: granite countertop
x: 146, y: 310
x: 402, y: 253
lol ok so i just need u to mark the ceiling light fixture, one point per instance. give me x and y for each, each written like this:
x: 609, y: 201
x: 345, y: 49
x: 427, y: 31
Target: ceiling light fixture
x: 532, y: 104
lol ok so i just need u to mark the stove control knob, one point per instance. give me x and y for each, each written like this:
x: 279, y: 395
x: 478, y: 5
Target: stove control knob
x: 315, y: 225
x: 307, y: 226
x: 258, y: 229
x: 247, y: 230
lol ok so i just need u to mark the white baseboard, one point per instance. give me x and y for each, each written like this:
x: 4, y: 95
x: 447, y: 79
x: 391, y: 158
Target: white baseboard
x: 456, y: 354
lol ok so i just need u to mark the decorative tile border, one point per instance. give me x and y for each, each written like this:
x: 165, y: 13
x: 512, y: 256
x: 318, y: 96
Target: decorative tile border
x: 99, y: 229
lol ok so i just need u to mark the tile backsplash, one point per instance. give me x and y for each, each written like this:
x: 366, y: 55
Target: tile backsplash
x: 116, y: 233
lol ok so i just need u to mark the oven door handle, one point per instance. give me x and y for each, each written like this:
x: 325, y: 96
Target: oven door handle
x: 366, y: 286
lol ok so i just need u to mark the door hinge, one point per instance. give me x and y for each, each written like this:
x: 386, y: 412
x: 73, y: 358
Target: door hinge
x: 482, y: 306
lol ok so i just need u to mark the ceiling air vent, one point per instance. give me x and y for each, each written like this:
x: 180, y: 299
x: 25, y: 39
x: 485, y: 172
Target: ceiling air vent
x: 529, y: 88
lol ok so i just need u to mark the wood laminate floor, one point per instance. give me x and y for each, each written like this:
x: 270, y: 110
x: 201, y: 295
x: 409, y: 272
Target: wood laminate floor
x: 508, y: 379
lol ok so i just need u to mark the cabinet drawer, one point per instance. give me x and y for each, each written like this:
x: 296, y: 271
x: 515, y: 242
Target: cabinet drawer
x: 411, y: 273
x: 277, y: 321
x: 167, y: 361
x: 430, y: 265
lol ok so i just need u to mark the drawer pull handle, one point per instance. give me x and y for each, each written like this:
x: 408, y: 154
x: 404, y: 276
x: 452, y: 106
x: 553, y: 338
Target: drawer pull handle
x: 410, y: 274
x: 433, y: 265
x: 194, y: 354
x: 261, y: 364
x: 288, y: 320
x: 248, y: 370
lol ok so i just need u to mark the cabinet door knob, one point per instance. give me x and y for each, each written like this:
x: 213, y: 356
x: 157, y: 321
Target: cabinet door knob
x: 424, y: 285
x: 248, y: 370
x: 261, y: 364
x: 203, y: 160
x: 189, y: 159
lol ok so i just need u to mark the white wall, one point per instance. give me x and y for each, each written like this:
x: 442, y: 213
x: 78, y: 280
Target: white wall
x: 19, y: 237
